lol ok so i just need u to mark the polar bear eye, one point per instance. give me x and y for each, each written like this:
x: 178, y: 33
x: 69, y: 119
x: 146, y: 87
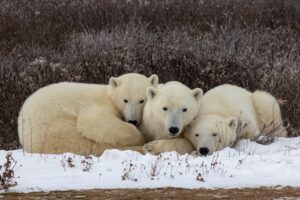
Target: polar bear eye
x: 184, y: 110
x: 196, y: 134
x: 165, y: 108
x: 214, y: 134
x: 125, y: 101
x: 141, y: 101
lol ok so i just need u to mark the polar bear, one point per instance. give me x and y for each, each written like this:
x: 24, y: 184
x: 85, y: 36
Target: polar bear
x: 228, y: 113
x: 169, y: 109
x: 85, y: 118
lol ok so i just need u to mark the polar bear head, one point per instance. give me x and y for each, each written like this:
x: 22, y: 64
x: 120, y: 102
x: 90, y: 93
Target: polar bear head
x: 128, y: 93
x: 210, y: 134
x: 173, y: 105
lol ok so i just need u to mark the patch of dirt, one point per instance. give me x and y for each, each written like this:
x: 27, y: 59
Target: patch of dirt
x: 287, y: 193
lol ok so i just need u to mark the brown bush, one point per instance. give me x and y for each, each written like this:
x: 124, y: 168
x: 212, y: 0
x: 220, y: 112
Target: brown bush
x: 7, y: 172
x: 254, y: 44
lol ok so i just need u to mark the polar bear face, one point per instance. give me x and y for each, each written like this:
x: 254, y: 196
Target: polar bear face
x: 210, y: 134
x: 128, y: 93
x: 173, y: 107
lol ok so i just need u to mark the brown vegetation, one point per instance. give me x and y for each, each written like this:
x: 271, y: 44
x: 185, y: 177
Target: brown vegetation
x: 7, y: 172
x: 254, y: 44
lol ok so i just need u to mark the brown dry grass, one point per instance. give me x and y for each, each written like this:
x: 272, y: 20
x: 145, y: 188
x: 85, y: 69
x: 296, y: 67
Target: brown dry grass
x: 254, y: 44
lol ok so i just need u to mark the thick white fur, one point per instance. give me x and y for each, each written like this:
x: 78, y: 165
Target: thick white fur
x: 229, y: 112
x: 156, y: 122
x: 84, y: 118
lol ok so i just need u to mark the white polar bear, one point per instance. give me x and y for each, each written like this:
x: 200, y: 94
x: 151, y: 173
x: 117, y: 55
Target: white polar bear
x: 228, y: 112
x: 85, y: 118
x: 169, y: 109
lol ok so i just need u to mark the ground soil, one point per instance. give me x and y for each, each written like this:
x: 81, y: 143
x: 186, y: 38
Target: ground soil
x: 287, y: 193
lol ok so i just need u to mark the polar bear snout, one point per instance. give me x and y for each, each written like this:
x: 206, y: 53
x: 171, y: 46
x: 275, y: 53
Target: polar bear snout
x: 203, y: 151
x: 173, y: 130
x: 174, y: 123
x: 133, y: 112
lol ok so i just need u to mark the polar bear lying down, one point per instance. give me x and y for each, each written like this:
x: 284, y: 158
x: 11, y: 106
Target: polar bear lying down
x: 90, y: 118
x: 227, y: 113
x: 85, y: 118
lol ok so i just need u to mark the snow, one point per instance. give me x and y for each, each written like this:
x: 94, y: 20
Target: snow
x: 247, y: 165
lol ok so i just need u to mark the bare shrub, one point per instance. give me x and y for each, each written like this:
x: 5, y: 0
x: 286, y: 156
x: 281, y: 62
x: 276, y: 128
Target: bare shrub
x: 87, y: 163
x: 67, y: 161
x: 7, y: 173
x: 200, y: 178
x: 127, y: 170
x: 254, y: 44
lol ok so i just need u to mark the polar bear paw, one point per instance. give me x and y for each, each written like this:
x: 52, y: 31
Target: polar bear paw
x: 152, y: 148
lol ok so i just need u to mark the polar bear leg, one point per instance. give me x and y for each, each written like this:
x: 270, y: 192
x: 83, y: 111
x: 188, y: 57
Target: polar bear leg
x: 139, y: 149
x: 268, y: 113
x: 248, y: 128
x: 180, y: 145
x: 100, y: 124
x: 56, y: 136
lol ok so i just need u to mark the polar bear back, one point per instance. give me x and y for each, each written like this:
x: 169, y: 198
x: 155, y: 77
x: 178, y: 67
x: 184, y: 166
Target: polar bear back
x: 53, y: 108
x: 227, y: 101
x: 66, y: 99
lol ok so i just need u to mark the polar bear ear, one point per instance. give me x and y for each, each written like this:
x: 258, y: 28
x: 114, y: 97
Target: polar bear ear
x: 114, y: 82
x: 151, y: 93
x: 154, y: 80
x: 197, y: 93
x: 232, y: 122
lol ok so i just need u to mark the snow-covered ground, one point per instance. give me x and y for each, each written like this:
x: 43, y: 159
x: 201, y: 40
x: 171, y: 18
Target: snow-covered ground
x: 248, y: 165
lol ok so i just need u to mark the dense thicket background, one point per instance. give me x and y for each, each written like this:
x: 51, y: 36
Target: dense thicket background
x: 203, y: 43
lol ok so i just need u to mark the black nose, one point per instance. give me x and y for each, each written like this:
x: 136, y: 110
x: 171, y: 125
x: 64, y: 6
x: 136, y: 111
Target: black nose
x: 173, y: 130
x: 134, y: 122
x: 203, y: 151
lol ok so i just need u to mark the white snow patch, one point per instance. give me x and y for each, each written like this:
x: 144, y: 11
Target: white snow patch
x: 247, y: 165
